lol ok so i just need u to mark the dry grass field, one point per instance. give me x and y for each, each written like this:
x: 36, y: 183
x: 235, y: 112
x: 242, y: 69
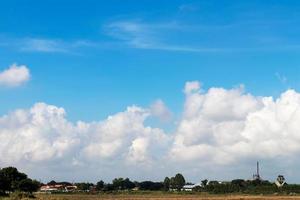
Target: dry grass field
x: 163, y: 197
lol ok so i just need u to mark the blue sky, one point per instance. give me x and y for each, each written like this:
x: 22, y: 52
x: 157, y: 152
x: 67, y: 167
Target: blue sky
x: 220, y: 43
x: 95, y: 58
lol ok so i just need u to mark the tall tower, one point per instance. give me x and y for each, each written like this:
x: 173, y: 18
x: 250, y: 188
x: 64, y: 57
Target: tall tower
x: 256, y: 176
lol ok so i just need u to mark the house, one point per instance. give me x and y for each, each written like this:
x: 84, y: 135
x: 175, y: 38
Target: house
x: 52, y: 188
x: 58, y: 187
x: 190, y: 187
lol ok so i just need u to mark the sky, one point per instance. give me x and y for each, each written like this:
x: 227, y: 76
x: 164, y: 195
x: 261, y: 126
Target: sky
x: 145, y: 89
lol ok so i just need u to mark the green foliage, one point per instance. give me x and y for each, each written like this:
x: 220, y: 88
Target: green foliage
x: 12, y: 180
x: 172, y: 183
x: 28, y: 185
x: 100, y: 185
x: 12, y: 177
x: 4, y: 184
x: 177, y: 182
x: 166, y: 184
x: 149, y: 185
x: 247, y: 187
x: 20, y: 186
x: 212, y: 183
x: 108, y: 187
x: 84, y: 186
x: 204, y: 182
x: 122, y: 184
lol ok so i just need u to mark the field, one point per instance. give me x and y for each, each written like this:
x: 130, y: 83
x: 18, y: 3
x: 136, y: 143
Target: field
x: 163, y: 197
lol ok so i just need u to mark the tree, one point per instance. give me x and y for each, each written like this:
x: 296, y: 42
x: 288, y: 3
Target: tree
x: 28, y: 185
x: 213, y: 183
x: 204, y: 182
x: 122, y: 184
x: 4, y: 184
x: 167, y: 183
x: 172, y: 183
x: 179, y: 181
x: 108, y: 187
x: 118, y: 183
x: 13, y: 176
x: 127, y: 184
x: 100, y: 185
x: 239, y: 182
x: 84, y: 186
x: 149, y: 185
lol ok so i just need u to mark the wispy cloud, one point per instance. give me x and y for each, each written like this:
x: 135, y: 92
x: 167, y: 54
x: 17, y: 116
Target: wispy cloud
x: 45, y: 45
x: 283, y: 79
x: 169, y: 36
x: 175, y: 35
x: 141, y: 35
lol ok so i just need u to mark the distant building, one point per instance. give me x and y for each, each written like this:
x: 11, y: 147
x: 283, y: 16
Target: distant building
x: 280, y: 181
x: 58, y: 187
x: 214, y: 182
x: 190, y: 187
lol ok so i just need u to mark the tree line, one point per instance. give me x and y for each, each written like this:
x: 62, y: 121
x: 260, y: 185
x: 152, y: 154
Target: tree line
x: 12, y: 180
x: 119, y: 184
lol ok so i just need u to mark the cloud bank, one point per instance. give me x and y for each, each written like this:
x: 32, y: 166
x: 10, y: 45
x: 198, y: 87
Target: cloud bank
x: 218, y: 127
x: 14, y: 76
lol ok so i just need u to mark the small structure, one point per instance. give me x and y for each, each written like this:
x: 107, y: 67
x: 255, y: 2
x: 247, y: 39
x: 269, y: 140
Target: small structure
x: 190, y: 187
x: 280, y: 181
x: 53, y: 187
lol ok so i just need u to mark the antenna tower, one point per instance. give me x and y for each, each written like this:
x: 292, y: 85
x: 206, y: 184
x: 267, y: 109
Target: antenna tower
x: 257, y: 176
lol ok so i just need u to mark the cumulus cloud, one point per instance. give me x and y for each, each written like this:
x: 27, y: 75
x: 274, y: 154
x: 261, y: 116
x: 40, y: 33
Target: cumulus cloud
x: 123, y: 135
x: 225, y: 125
x: 160, y: 110
x: 218, y: 127
x: 14, y: 76
x: 42, y: 135
x: 192, y: 86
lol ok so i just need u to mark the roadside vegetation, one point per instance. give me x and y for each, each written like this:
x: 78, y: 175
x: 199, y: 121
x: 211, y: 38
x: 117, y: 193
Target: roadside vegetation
x: 17, y: 185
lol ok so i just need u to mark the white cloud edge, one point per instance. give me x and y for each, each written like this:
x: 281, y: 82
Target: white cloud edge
x: 15, y: 75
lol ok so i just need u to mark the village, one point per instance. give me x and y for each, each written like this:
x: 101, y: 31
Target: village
x: 176, y: 183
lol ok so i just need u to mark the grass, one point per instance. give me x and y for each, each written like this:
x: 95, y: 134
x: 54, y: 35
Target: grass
x: 153, y: 196
x: 161, y: 196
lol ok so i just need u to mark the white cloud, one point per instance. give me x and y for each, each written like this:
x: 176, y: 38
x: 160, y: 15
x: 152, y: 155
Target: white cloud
x: 49, y: 45
x: 192, y: 86
x: 43, y: 45
x: 52, y: 45
x: 42, y: 136
x: 141, y: 35
x: 160, y: 110
x: 14, y: 76
x: 219, y: 127
x: 222, y: 126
